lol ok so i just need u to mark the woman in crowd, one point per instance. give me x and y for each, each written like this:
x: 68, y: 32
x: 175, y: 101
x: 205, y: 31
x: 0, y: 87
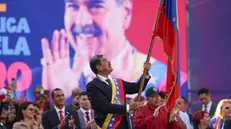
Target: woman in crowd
x: 38, y: 115
x: 27, y: 117
x: 222, y: 113
x: 201, y: 120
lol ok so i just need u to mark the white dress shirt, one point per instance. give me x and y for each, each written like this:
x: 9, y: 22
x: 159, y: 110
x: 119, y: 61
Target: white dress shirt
x: 84, y: 113
x: 208, y: 106
x: 185, y: 118
x: 102, y: 78
x: 57, y: 110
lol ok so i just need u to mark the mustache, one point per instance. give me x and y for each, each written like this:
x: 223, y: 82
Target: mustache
x: 92, y: 29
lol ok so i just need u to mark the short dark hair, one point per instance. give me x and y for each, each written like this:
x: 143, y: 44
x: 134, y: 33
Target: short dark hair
x: 203, y: 91
x: 162, y: 94
x: 185, y: 100
x: 22, y: 107
x: 3, y: 105
x: 53, y: 92
x: 82, y: 94
x: 95, y: 60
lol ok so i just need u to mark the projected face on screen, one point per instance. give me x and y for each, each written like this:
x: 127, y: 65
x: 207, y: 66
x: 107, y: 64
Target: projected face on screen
x: 97, y: 24
x: 119, y: 29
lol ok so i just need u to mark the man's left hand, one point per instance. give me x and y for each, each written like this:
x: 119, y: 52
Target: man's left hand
x: 147, y: 66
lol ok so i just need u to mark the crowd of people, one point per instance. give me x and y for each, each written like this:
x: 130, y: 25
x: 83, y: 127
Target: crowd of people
x: 107, y: 104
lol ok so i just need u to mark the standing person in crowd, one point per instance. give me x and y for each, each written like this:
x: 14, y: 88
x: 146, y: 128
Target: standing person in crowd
x: 200, y: 120
x: 85, y: 113
x: 75, y: 99
x: 38, y: 114
x: 162, y: 97
x: 60, y: 117
x: 207, y: 104
x: 182, y: 105
x: 12, y: 115
x: 26, y: 117
x: 107, y: 95
x: 222, y: 113
x: 153, y: 115
x: 42, y: 98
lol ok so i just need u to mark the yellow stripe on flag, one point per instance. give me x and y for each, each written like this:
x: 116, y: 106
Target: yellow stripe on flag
x: 2, y: 7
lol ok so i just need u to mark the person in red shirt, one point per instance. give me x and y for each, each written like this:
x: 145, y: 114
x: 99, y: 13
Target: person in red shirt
x: 153, y: 115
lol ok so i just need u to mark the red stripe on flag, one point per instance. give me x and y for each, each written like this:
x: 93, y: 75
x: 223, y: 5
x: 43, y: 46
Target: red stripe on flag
x: 166, y: 31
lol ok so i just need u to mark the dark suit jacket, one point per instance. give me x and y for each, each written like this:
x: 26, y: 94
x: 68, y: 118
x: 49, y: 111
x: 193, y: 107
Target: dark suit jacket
x: 82, y: 119
x: 100, y: 95
x: 50, y: 119
x: 212, y: 109
x: 227, y: 124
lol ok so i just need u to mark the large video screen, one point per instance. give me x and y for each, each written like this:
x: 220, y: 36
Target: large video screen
x: 49, y: 42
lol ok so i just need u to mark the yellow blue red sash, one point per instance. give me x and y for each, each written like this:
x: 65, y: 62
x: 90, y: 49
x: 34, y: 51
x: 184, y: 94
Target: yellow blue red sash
x: 113, y: 120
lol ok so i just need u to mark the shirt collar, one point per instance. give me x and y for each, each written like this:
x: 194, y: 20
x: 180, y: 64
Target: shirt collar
x: 84, y: 111
x: 102, y: 78
x: 57, y: 109
x: 209, y: 104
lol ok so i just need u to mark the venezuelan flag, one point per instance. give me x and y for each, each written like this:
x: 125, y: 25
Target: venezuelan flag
x: 168, y: 30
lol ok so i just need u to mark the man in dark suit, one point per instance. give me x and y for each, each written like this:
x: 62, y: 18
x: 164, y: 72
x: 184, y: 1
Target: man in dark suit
x: 227, y: 124
x: 107, y: 95
x: 59, y: 117
x: 207, y: 104
x: 85, y: 113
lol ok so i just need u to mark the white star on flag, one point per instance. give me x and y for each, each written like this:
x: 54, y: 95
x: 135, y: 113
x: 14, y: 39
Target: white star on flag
x: 153, y: 80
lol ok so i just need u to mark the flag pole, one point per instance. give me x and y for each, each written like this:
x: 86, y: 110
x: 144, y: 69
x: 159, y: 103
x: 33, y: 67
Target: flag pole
x: 145, y: 72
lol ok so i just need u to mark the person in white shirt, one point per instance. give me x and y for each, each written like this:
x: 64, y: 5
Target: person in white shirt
x: 182, y: 105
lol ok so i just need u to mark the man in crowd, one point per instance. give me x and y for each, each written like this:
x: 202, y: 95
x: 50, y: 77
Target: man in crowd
x: 107, y: 95
x: 162, y: 98
x: 153, y: 115
x: 207, y: 104
x: 60, y: 117
x: 75, y: 98
x: 85, y: 113
x: 41, y: 98
x: 183, y: 120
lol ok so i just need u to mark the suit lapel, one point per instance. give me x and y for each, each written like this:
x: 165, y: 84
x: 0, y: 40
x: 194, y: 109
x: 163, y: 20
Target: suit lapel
x: 81, y: 119
x: 55, y: 117
x: 106, y: 89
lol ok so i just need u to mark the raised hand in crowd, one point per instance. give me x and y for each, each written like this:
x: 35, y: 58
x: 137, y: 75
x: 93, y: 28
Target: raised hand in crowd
x: 156, y: 112
x: 62, y: 123
x: 91, y: 124
x: 71, y: 122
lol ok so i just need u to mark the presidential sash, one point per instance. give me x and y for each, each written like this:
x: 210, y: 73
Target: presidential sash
x: 113, y: 120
